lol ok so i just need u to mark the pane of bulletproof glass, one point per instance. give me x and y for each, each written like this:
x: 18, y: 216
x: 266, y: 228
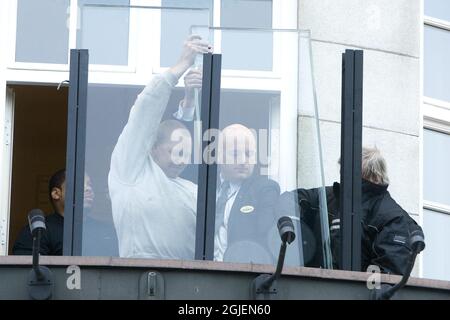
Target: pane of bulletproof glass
x: 42, y: 33
x: 134, y: 37
x: 168, y: 18
x: 105, y: 32
x: 257, y: 154
x: 140, y: 197
x: 247, y: 14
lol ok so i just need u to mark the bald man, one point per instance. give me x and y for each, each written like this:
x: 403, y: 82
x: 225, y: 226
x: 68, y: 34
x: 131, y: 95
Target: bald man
x: 246, y: 201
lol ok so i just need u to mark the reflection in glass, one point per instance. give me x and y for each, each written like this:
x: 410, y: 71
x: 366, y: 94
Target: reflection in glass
x: 42, y: 34
x: 99, y: 233
x: 436, y: 63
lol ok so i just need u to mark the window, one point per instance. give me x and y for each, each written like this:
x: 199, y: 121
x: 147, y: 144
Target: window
x: 436, y: 226
x: 438, y: 9
x: 233, y: 14
x: 104, y: 32
x: 436, y: 50
x: 236, y: 13
x: 436, y: 140
x: 436, y: 172
x: 47, y: 29
x: 42, y: 32
x: 437, y: 64
x: 436, y: 216
x: 168, y: 18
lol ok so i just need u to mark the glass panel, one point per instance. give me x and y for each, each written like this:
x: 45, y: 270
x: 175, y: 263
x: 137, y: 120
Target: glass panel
x: 436, y: 148
x: 141, y: 201
x: 42, y: 34
x: 437, y: 65
x: 182, y: 18
x: 104, y: 32
x: 247, y: 14
x: 120, y: 35
x: 234, y: 13
x: 438, y: 9
x: 257, y: 153
x: 436, y: 259
x: 139, y: 193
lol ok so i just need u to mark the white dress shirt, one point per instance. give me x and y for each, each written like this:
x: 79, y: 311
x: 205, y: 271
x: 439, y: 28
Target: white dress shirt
x: 221, y: 237
x: 154, y: 215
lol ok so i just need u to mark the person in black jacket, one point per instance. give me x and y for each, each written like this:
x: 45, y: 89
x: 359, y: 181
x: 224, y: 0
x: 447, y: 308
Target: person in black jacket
x: 99, y: 237
x: 246, y: 201
x: 385, y: 225
x: 52, y: 237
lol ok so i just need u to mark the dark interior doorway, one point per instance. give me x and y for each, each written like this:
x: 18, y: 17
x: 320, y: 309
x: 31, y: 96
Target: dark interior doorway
x: 39, y: 149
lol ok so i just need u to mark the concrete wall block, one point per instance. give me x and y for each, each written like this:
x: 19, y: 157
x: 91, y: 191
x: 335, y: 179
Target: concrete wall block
x: 391, y: 88
x: 382, y: 24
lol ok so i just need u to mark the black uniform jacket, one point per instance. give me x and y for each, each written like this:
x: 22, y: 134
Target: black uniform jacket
x: 385, y: 226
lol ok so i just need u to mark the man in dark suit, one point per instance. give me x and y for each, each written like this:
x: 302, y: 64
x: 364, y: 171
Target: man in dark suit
x: 246, y: 202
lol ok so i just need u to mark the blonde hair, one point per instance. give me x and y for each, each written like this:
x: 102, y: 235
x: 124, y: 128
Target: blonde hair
x: 373, y: 166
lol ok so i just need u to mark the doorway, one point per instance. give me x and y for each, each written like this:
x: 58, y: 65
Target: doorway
x: 39, y: 150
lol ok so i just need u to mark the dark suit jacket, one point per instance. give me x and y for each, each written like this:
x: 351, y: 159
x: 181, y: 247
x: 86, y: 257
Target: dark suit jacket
x: 252, y: 215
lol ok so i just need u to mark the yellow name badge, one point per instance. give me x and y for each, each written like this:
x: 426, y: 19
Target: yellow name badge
x: 247, y: 209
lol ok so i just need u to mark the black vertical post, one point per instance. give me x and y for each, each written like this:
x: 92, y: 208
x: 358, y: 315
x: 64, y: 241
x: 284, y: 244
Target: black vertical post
x: 351, y: 151
x: 207, y: 174
x: 75, y: 154
x: 357, y: 159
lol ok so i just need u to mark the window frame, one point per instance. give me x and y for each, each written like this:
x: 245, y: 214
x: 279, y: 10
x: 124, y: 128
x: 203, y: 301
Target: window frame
x: 6, y: 169
x: 12, y: 41
x: 436, y: 112
x: 435, y: 115
x: 435, y: 123
x: 429, y: 101
x: 436, y: 207
x: 284, y: 13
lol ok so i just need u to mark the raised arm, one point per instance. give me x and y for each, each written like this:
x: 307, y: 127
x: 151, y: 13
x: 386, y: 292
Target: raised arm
x: 138, y: 136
